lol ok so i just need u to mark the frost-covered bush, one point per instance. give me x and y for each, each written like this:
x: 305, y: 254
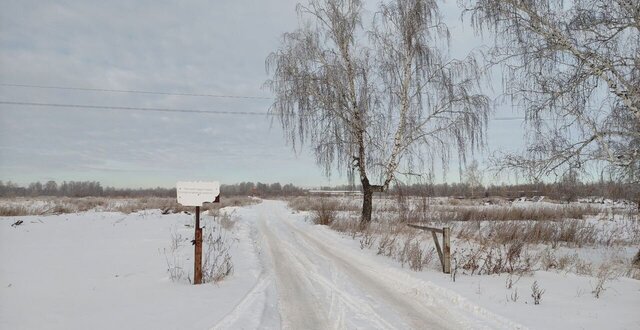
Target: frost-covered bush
x: 217, y: 263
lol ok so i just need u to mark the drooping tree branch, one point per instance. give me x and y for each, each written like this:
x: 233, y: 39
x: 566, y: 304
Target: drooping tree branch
x: 575, y: 69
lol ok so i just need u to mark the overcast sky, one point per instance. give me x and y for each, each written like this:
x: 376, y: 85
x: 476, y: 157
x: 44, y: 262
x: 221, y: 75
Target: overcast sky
x: 204, y: 47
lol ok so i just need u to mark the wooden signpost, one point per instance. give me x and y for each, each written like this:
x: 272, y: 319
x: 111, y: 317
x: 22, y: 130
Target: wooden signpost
x: 195, y: 194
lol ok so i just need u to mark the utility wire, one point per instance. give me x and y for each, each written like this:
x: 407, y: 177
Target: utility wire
x: 212, y: 112
x: 156, y: 93
x: 107, y: 107
x: 507, y: 118
x: 86, y: 89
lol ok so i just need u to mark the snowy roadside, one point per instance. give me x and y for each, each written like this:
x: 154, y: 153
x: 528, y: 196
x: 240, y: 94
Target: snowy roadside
x: 567, y: 303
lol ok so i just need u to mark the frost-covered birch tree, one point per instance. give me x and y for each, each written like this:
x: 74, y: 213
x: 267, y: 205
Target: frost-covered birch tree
x: 574, y: 66
x: 375, y: 95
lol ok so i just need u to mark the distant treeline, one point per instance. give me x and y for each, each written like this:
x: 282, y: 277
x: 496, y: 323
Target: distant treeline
x: 95, y: 189
x: 568, y: 190
x: 560, y: 190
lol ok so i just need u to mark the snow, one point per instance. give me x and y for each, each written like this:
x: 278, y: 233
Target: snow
x: 568, y: 302
x: 104, y: 270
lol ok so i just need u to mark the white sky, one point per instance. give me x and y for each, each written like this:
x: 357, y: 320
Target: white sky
x: 212, y: 47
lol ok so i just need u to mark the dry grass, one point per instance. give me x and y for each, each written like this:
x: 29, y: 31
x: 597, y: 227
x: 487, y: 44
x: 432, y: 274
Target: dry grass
x: 487, y: 259
x: 424, y: 209
x: 13, y: 210
x: 314, y: 203
x: 324, y: 212
x: 511, y: 212
x: 217, y: 263
x: 390, y: 239
x: 503, y: 237
x: 62, y: 205
x: 228, y: 221
x: 540, y: 223
x: 571, y: 232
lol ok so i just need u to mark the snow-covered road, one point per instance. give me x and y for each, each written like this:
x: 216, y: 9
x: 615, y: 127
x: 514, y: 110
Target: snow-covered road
x: 311, y: 280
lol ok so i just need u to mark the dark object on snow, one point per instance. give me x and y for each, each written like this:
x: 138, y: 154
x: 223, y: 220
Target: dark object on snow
x: 17, y: 223
x: 636, y: 260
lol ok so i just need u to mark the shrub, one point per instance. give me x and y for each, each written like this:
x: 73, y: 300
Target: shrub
x: 367, y: 239
x: 226, y: 220
x: 346, y: 224
x: 605, y: 273
x: 536, y: 293
x: 216, y: 258
x: 324, y: 212
x: 387, y: 244
x: 487, y: 259
x: 174, y: 265
x: 514, y: 295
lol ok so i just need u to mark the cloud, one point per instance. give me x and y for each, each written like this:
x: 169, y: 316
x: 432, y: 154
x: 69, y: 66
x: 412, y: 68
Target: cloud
x: 194, y: 47
x: 213, y: 47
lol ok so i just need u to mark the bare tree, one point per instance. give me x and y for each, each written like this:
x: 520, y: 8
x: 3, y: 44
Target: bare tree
x: 574, y: 66
x: 473, y: 176
x: 569, y: 185
x: 376, y: 98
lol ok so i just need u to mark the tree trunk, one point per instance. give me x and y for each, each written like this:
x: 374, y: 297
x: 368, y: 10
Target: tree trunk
x: 367, y: 206
x: 367, y: 201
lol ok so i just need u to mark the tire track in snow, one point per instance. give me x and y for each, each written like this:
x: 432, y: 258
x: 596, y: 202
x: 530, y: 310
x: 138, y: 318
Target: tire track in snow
x: 341, y: 301
x: 299, y: 307
x: 361, y: 309
x: 253, y: 302
x: 312, y: 291
x: 258, y: 308
x: 453, y: 311
x: 417, y: 314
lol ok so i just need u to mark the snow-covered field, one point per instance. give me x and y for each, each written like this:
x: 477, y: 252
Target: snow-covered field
x: 104, y: 270
x: 98, y: 270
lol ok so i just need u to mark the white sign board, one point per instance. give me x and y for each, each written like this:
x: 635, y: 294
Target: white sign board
x: 197, y: 192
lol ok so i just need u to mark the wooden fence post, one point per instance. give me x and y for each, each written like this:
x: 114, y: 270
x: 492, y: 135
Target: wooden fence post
x: 440, y: 255
x: 444, y: 253
x: 446, y: 247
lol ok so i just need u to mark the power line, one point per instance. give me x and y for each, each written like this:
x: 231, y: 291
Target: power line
x: 86, y: 89
x: 212, y: 112
x: 107, y: 107
x: 507, y: 118
x: 157, y: 93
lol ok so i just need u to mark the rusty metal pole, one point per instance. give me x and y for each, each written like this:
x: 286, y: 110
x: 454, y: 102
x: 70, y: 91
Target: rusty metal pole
x: 197, y: 267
